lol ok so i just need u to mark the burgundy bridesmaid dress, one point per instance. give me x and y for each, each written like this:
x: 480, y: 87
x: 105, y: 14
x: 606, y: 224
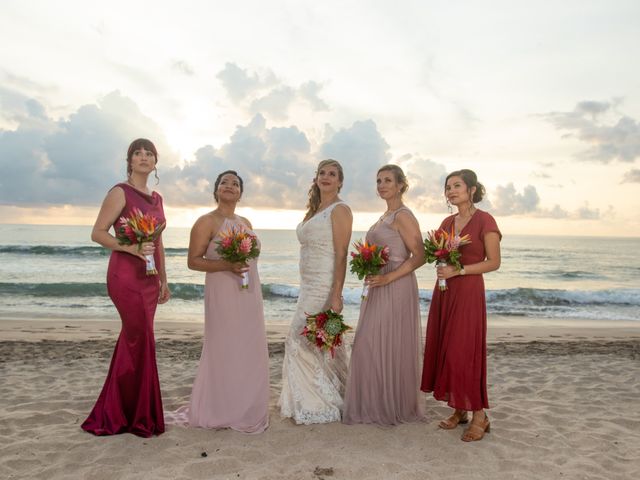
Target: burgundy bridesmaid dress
x: 455, y: 355
x: 130, y: 400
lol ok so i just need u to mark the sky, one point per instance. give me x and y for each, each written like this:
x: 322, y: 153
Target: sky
x: 540, y: 99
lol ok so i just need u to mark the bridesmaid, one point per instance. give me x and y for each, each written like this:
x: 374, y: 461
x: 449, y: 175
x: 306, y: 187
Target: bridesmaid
x: 455, y: 356
x: 384, y: 377
x: 231, y: 389
x: 130, y: 400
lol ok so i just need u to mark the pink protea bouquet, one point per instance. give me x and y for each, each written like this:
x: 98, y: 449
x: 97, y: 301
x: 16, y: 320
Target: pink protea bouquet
x: 442, y: 247
x: 238, y: 245
x: 368, y: 259
x: 138, y: 229
x: 324, y: 330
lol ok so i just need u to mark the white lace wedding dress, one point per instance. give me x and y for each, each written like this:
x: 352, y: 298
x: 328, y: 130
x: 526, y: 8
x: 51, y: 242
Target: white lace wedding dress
x: 312, y: 381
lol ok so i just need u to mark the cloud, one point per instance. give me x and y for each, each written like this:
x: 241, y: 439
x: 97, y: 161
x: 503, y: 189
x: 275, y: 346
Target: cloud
x: 310, y: 92
x: 507, y: 201
x: 632, y: 176
x: 586, y: 213
x: 266, y: 94
x: 69, y: 161
x: 619, y: 139
x: 426, y: 183
x: 361, y: 150
x: 239, y: 84
x: 276, y: 103
x: 182, y: 67
x: 275, y: 164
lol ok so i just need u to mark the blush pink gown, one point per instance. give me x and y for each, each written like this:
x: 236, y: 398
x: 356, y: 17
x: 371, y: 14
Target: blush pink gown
x: 383, y: 386
x: 231, y: 389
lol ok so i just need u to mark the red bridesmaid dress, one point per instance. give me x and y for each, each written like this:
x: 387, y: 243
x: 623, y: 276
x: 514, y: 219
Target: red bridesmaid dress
x: 130, y: 401
x: 455, y: 355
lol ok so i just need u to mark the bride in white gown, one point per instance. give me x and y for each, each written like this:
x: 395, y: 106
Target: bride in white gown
x: 312, y: 381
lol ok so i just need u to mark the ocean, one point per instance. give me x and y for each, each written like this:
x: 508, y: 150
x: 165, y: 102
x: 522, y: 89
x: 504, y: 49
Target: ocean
x: 56, y: 272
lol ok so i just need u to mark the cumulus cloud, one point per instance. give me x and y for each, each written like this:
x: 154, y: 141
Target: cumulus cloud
x: 507, y: 201
x: 426, y: 183
x: 361, y: 150
x: 632, y: 176
x: 266, y: 94
x: 239, y: 83
x: 586, y: 213
x: 276, y: 103
x: 611, y: 136
x: 275, y: 164
x: 74, y: 160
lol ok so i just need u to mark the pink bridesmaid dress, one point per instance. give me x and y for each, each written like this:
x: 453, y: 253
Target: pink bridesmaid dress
x: 231, y: 389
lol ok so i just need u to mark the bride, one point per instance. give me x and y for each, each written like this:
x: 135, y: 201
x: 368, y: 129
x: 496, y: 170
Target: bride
x: 312, y: 381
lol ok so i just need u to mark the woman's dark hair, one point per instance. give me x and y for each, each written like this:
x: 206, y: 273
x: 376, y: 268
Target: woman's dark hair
x: 217, y: 184
x: 470, y: 179
x: 137, y: 144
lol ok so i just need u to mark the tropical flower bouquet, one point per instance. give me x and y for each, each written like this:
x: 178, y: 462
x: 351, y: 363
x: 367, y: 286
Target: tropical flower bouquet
x: 368, y: 259
x: 442, y: 247
x: 138, y: 229
x: 238, y: 245
x: 325, y: 329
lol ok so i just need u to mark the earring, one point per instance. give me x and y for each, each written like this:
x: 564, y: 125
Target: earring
x: 449, y: 206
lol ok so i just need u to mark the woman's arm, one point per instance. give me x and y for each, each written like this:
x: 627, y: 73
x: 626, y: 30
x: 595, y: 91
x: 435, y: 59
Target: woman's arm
x: 202, y: 232
x: 341, y: 221
x: 491, y: 263
x: 409, y: 230
x: 165, y: 293
x: 110, y: 210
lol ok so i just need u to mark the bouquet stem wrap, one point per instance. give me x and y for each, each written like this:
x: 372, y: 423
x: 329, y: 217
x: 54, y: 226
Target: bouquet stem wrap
x: 151, y: 265
x: 442, y: 283
x: 365, y: 292
x: 245, y: 281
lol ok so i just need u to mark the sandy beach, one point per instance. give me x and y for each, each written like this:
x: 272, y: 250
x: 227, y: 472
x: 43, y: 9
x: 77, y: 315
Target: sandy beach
x: 565, y: 404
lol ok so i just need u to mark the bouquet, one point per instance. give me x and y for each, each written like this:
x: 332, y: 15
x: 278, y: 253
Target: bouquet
x: 442, y: 247
x: 325, y: 329
x: 238, y: 245
x: 137, y: 229
x: 368, y: 259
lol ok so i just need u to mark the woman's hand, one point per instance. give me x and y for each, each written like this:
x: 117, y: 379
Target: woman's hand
x: 377, y: 280
x: 140, y: 250
x: 447, y: 271
x: 335, y: 303
x: 165, y: 293
x: 238, y: 268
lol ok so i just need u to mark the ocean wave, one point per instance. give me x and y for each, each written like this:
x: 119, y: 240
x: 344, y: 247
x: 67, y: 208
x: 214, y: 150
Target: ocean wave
x: 77, y: 251
x: 496, y: 299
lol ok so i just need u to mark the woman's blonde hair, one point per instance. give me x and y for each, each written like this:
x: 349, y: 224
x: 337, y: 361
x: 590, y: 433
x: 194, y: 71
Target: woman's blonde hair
x: 314, y: 191
x: 398, y: 174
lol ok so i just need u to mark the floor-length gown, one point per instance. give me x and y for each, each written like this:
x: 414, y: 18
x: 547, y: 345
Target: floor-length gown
x: 384, y: 374
x: 455, y: 355
x: 130, y: 400
x: 313, y: 381
x: 231, y: 388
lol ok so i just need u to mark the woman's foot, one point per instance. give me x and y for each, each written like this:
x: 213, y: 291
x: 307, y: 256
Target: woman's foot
x: 459, y: 416
x: 477, y: 428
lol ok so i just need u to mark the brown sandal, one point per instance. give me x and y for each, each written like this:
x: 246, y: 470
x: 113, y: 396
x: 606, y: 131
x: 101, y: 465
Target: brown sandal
x: 476, y: 430
x: 459, y: 416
